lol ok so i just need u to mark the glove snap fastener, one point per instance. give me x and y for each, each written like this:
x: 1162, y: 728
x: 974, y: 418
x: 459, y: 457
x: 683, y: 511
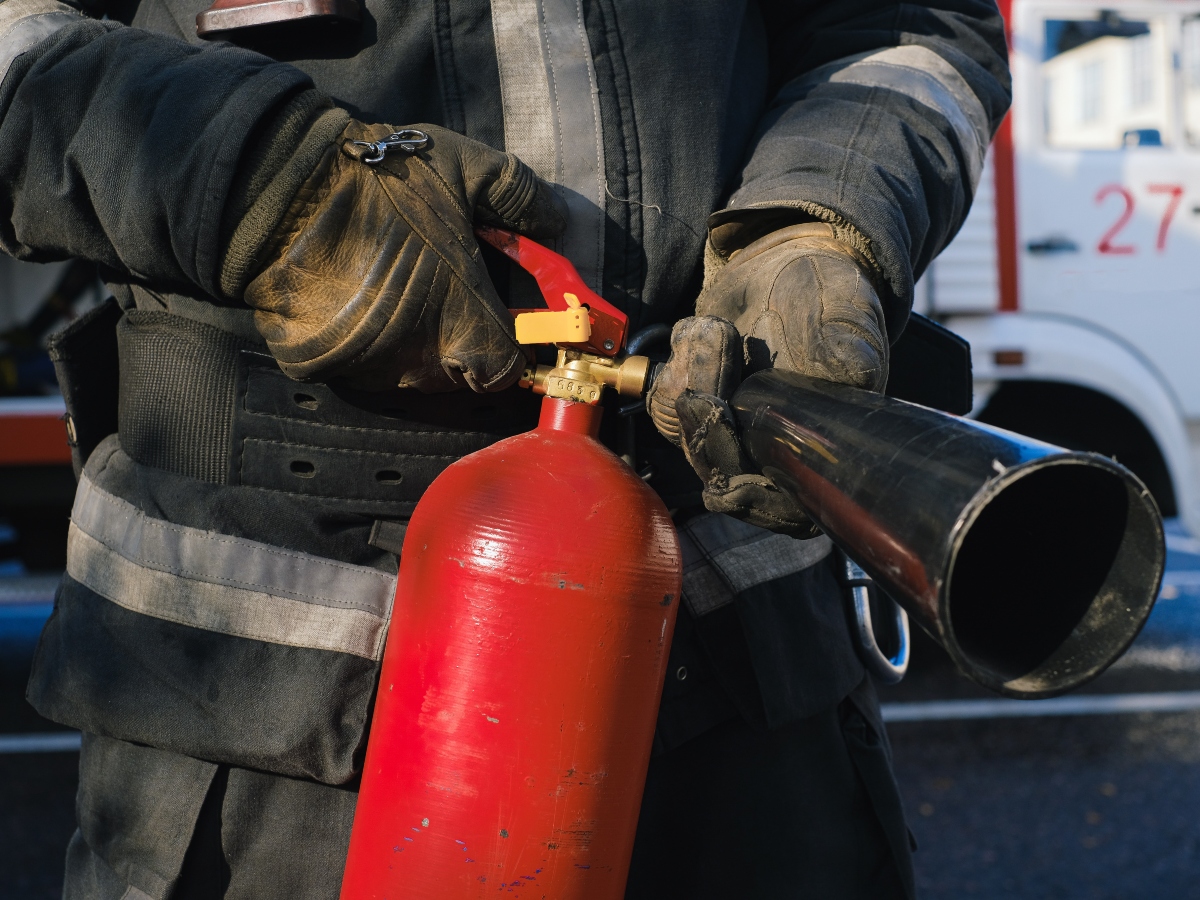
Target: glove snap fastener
x: 410, y: 141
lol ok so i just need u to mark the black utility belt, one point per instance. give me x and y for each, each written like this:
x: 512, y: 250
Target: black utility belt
x: 201, y: 402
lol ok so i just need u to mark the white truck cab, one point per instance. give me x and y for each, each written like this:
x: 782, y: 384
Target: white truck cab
x: 1076, y: 276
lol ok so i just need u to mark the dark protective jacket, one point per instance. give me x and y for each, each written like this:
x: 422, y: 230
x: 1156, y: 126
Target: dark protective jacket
x: 224, y: 600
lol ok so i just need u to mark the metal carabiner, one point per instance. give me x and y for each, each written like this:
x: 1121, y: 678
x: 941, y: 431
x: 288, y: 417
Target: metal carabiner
x: 410, y: 141
x: 889, y: 670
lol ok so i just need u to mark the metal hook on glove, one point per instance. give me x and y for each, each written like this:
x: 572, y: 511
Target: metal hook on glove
x: 410, y: 141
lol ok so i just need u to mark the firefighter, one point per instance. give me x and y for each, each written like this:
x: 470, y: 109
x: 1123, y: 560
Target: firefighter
x: 304, y: 333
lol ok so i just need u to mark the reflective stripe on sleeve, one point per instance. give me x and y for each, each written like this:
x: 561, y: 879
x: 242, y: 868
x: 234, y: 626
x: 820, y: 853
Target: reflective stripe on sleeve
x: 224, y: 584
x: 921, y: 75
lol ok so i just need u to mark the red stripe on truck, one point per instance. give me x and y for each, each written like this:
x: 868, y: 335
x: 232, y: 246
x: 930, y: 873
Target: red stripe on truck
x: 1006, y: 196
x: 31, y: 440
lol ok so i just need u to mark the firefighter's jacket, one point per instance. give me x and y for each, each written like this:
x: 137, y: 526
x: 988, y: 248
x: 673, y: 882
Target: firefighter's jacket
x: 223, y: 597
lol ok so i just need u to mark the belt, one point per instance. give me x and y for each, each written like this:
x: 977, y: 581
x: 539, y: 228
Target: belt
x: 201, y: 402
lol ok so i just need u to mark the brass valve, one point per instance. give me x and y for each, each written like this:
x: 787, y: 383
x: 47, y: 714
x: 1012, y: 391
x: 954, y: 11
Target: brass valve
x: 582, y: 377
x: 587, y: 329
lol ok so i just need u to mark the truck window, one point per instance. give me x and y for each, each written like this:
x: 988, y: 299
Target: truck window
x: 1189, y: 53
x: 1106, y: 83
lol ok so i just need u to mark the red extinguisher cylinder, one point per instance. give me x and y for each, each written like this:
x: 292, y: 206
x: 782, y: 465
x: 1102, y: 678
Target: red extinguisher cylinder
x: 520, y: 685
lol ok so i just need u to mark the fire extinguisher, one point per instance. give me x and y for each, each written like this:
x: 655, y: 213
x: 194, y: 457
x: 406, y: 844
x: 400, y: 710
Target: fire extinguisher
x: 537, y: 594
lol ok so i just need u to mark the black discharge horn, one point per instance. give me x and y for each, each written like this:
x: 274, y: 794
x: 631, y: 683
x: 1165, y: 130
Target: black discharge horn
x: 1034, y: 566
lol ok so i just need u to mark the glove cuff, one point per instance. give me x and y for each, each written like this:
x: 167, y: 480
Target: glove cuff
x: 731, y: 230
x: 280, y: 157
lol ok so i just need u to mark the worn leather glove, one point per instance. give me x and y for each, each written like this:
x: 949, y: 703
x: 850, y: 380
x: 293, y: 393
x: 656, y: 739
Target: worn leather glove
x: 374, y: 275
x: 798, y: 299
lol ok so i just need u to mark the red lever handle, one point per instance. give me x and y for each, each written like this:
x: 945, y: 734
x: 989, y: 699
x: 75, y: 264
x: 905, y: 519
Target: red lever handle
x: 556, y: 277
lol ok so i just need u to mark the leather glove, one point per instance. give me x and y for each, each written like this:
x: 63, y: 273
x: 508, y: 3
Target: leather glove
x: 374, y: 274
x: 798, y: 299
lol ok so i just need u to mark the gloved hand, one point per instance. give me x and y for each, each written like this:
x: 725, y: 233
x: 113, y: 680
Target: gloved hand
x: 798, y: 299
x: 374, y: 273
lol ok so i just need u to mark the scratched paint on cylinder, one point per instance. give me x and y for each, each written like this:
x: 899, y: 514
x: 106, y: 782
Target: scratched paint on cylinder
x: 526, y: 658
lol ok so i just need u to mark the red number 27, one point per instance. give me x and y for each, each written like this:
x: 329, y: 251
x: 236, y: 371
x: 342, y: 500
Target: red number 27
x: 1107, y: 245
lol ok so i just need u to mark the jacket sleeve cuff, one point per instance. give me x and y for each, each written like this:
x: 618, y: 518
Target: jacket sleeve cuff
x: 886, y: 145
x: 283, y: 154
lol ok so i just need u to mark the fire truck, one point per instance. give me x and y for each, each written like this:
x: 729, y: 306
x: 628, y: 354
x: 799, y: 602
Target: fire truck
x: 1075, y: 277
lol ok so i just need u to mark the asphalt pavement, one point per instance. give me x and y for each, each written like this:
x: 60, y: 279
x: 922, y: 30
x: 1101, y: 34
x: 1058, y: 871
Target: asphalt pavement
x: 1102, y: 803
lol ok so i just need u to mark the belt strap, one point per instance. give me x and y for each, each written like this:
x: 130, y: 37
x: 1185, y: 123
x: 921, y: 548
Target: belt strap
x: 177, y: 393
x: 202, y: 402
